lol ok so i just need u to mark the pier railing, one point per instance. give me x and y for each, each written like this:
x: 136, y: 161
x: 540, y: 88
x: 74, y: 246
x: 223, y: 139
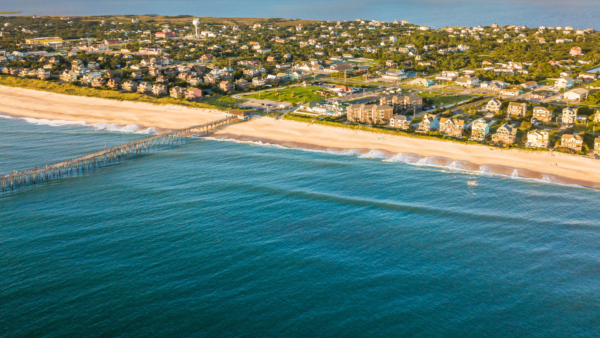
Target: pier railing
x: 108, y: 156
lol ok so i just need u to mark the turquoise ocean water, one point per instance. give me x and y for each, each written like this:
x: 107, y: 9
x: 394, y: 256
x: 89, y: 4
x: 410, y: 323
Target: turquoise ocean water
x: 436, y: 13
x: 221, y: 239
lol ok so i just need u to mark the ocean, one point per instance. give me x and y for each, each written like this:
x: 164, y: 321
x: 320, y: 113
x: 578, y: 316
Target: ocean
x: 436, y: 13
x: 225, y: 239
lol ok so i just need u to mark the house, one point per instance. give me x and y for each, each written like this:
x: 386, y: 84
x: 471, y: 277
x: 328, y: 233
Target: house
x: 564, y: 83
x: 468, y: 81
x: 226, y: 86
x: 493, y: 106
x: 144, y: 87
x: 165, y: 35
x: 587, y: 76
x: 452, y: 127
x: 370, y: 113
x: 193, y: 94
x: 242, y: 84
x: 340, y: 67
x: 391, y: 63
x: 394, y: 74
x: 573, y: 142
x: 569, y: 116
x: 597, y: 146
x: 541, y: 114
x: 517, y: 109
x: 537, y: 139
x: 401, y: 122
x: 257, y: 82
x: 98, y: 82
x: 177, y: 92
x: 596, y: 116
x: 114, y: 83
x: 480, y: 129
x: 540, y: 95
x: 447, y: 75
x: 69, y: 76
x: 403, y: 103
x: 529, y: 85
x: 429, y: 123
x: 206, y: 58
x: 159, y: 89
x: 421, y: 82
x: 130, y: 86
x: 578, y: 94
x: 506, y: 134
x: 511, y: 92
x: 575, y: 51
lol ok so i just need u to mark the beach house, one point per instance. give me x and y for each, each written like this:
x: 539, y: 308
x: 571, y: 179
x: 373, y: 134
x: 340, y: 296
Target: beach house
x: 480, y: 129
x: 541, y: 114
x: 429, y: 123
x: 537, y: 139
x: 452, y: 127
x: 506, y: 134
x: 569, y: 116
x: 493, y: 106
x: 400, y: 122
x: 517, y: 109
x: 403, y: 103
x: 571, y: 141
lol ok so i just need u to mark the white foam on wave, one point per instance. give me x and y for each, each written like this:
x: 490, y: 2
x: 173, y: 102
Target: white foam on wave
x: 413, y: 159
x: 6, y: 117
x: 110, y: 127
x: 375, y: 154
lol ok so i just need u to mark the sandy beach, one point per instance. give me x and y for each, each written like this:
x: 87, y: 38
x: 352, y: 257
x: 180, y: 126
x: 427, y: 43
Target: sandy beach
x: 45, y: 105
x: 553, y: 167
x: 560, y: 168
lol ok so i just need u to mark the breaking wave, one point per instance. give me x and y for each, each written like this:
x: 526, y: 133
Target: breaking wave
x: 432, y: 161
x: 109, y: 127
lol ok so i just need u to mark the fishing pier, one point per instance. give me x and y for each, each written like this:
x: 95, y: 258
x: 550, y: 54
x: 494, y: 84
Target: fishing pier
x: 109, y: 156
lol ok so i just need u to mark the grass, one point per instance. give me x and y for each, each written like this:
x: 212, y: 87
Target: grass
x: 439, y: 99
x: 223, y: 102
x: 291, y: 95
x: 2, y: 13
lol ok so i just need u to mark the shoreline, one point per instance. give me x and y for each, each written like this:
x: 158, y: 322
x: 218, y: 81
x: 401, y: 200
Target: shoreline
x: 545, y: 166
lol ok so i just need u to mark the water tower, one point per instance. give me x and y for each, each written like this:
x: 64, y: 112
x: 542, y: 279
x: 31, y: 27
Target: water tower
x: 196, y: 23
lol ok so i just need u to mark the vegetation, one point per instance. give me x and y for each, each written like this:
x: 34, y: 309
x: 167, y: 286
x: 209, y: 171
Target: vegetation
x: 293, y: 94
x: 221, y: 102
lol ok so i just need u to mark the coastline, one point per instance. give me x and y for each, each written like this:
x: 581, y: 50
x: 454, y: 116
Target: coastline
x: 544, y: 166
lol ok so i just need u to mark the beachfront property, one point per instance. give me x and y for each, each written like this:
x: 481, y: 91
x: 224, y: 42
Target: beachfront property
x: 429, y: 123
x: 370, y: 113
x: 480, y: 129
x: 144, y: 87
x: 506, y: 134
x: 452, y: 127
x: 569, y: 116
x: 130, y: 86
x: 403, y: 103
x: 571, y: 141
x: 597, y: 146
x: 159, y: 89
x: 177, y: 92
x: 541, y: 114
x: 400, y: 122
x: 517, y: 109
x: 537, y: 139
